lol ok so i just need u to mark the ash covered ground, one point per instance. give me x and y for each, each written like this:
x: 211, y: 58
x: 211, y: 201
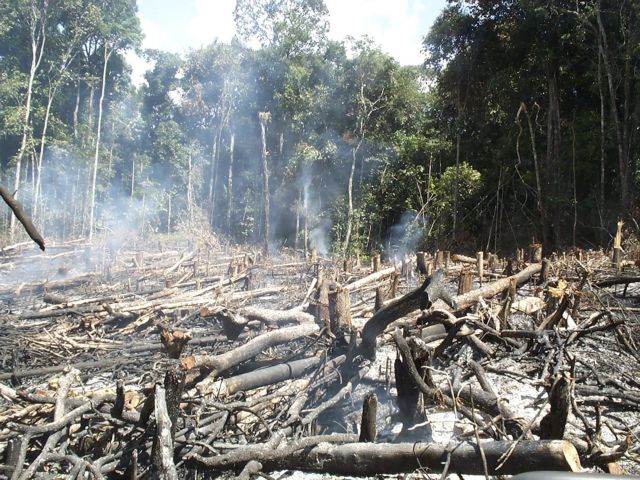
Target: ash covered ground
x: 83, y: 328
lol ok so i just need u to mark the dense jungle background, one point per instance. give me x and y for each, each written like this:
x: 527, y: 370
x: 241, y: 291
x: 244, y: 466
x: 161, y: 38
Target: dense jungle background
x: 520, y: 125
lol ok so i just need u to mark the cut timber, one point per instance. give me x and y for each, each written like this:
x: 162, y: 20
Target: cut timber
x: 369, y: 279
x: 433, y: 286
x: 466, y: 459
x: 255, y: 346
x: 609, y: 282
x: 273, y: 317
x: 467, y: 299
x: 464, y: 259
x: 258, y: 378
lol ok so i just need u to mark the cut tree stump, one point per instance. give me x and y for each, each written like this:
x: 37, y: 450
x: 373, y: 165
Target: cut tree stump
x: 339, y: 312
x: 368, y: 423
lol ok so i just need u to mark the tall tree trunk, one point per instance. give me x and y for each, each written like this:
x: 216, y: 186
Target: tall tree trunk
x: 212, y: 176
x: 550, y: 237
x: 456, y: 188
x: 215, y: 160
x: 536, y: 168
x: 354, y: 156
x: 305, y: 226
x: 232, y: 144
x: 75, y: 110
x: 190, y: 188
x: 298, y: 208
x: 264, y: 118
x: 133, y: 175
x: 602, y: 149
x: 92, y: 93
x: 623, y: 164
x: 43, y: 139
x: 96, y: 157
x: 38, y: 40
x: 573, y: 171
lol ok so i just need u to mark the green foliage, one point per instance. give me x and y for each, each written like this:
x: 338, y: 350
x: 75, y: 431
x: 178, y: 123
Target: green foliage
x: 336, y: 107
x: 293, y: 26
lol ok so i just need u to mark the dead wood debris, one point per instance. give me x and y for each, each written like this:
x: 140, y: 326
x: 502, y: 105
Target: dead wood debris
x: 155, y: 361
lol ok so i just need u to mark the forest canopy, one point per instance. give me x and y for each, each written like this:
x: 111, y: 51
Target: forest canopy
x: 521, y: 124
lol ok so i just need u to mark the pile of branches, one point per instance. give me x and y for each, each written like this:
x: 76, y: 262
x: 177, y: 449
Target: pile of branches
x: 157, y: 362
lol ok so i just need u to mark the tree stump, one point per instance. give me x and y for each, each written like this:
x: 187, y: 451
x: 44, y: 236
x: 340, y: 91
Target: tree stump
x: 421, y: 260
x: 368, y: 430
x: 439, y: 259
x: 375, y: 262
x: 535, y: 252
x: 339, y: 312
x: 379, y: 299
x: 322, y: 301
x: 553, y: 424
x: 464, y: 282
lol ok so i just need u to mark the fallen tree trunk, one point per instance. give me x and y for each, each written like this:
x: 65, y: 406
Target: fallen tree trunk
x: 609, y: 282
x: 219, y: 363
x: 373, y: 278
x: 260, y: 378
x: 376, y: 458
x: 265, y: 315
x: 464, y: 458
x: 467, y: 299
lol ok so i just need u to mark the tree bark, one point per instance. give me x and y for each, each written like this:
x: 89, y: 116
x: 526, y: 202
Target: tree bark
x: 18, y: 212
x: 38, y: 39
x: 623, y: 164
x: 219, y: 363
x: 368, y: 422
x: 434, y: 289
x: 467, y: 299
x: 264, y: 118
x: 465, y: 459
x: 96, y: 157
x: 163, y: 466
x: 232, y: 144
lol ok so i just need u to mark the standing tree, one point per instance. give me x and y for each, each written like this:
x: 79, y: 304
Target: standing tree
x: 264, y: 118
x: 35, y: 14
x: 371, y: 80
x: 118, y: 29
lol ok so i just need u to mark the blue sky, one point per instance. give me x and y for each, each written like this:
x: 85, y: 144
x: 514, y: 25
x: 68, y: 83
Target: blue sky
x: 398, y: 26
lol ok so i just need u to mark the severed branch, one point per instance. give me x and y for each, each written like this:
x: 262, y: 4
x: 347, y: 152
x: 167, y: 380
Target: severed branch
x: 219, y: 363
x: 17, y: 209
